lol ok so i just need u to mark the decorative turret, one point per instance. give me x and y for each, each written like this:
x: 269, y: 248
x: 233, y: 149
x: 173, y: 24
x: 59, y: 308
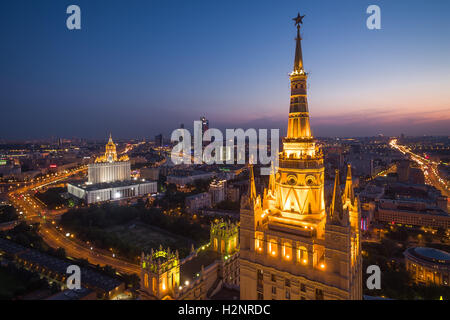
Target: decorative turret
x: 160, y: 272
x: 252, y: 199
x: 348, y: 191
x: 337, y: 213
x: 224, y: 236
x: 252, y: 187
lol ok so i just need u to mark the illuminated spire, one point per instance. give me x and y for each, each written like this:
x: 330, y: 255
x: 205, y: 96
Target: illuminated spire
x: 110, y: 138
x: 348, y: 192
x: 272, y: 181
x: 298, y: 126
x: 337, y: 210
x: 252, y: 192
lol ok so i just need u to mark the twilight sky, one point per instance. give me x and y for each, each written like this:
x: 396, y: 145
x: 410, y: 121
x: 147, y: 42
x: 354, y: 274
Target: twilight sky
x: 141, y: 67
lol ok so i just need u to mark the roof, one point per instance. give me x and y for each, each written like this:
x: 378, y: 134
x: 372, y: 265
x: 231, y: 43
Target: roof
x: 10, y: 247
x: 190, y: 268
x: 430, y: 254
x: 115, y: 184
x: 226, y: 294
x: 433, y: 253
x: 89, y: 277
x: 69, y: 294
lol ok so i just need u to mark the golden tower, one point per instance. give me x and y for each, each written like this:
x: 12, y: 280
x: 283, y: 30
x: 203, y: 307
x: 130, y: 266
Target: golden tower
x: 160, y: 274
x: 292, y: 246
x: 110, y: 154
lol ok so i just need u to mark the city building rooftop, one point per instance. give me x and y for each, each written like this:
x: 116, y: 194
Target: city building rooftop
x: 106, y: 185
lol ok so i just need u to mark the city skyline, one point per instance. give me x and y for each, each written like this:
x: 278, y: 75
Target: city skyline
x: 353, y: 204
x: 160, y: 65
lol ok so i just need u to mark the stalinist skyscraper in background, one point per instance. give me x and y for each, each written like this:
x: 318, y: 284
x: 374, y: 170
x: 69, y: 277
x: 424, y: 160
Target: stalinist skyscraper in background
x: 294, y: 246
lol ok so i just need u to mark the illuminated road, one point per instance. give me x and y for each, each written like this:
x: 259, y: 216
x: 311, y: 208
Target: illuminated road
x: 429, y: 168
x: 31, y: 210
x: 55, y: 239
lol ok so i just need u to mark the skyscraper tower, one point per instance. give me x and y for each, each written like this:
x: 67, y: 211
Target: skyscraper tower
x: 292, y: 246
x: 205, y: 126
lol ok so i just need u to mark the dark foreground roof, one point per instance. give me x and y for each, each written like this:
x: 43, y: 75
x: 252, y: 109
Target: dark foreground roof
x: 89, y: 277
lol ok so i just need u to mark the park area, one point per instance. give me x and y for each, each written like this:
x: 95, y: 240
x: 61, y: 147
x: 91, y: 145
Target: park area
x: 145, y: 237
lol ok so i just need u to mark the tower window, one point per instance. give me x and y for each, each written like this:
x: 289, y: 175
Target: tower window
x: 259, y: 280
x: 287, y: 251
x: 272, y: 246
x: 319, y: 294
x: 302, y: 255
x: 274, y: 290
x: 288, y: 294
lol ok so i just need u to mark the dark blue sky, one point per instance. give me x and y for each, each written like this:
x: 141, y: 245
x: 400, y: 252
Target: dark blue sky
x: 138, y: 68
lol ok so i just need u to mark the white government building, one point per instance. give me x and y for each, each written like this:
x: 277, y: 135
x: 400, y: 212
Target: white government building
x: 109, y: 179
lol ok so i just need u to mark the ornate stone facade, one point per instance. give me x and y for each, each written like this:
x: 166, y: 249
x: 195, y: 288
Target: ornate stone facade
x: 200, y: 275
x: 109, y: 168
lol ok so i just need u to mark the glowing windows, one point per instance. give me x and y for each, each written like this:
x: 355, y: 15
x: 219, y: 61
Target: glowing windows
x: 287, y: 251
x: 302, y: 255
x: 259, y: 242
x: 272, y: 247
x: 146, y: 280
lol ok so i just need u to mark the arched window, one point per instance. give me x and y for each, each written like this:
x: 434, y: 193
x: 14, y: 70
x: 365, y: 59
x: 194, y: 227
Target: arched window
x: 287, y: 251
x: 272, y: 247
x: 146, y: 280
x: 302, y: 255
x: 259, y: 241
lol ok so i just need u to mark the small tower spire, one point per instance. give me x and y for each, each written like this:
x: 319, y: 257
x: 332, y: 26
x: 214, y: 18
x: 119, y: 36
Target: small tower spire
x: 337, y: 212
x: 271, y: 187
x: 252, y: 187
x: 348, y: 191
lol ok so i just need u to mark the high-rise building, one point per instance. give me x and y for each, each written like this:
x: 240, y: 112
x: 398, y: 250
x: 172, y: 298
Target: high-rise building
x: 159, y: 140
x: 292, y: 245
x: 108, y: 167
x: 109, y: 179
x: 205, y: 126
